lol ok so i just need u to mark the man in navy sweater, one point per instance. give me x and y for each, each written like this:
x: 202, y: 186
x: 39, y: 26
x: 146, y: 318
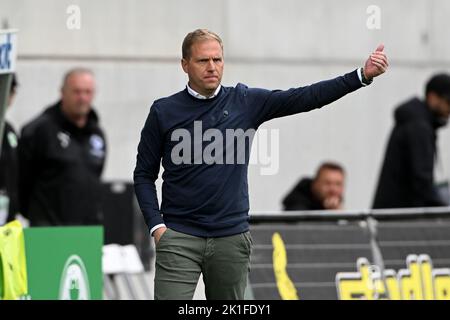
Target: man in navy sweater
x: 202, y: 135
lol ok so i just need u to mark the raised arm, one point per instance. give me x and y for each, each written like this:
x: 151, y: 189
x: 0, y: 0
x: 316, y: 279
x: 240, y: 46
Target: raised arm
x: 267, y: 105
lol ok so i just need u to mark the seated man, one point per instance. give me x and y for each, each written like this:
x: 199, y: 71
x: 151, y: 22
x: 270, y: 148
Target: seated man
x: 324, y: 192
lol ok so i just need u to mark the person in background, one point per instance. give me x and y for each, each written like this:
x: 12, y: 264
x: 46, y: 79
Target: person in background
x: 323, y: 192
x: 62, y: 154
x: 407, y: 174
x: 9, y: 168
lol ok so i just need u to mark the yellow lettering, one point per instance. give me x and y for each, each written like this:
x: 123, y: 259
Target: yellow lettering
x: 285, y: 286
x: 441, y: 278
x: 426, y: 268
x: 392, y: 284
x: 410, y: 280
x: 393, y: 291
x: 419, y: 281
x: 356, y: 285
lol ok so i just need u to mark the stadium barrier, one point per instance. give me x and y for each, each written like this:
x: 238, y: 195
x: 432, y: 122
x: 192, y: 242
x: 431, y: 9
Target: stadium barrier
x: 351, y: 255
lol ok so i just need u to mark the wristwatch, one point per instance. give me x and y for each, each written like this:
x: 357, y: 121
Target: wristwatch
x: 364, y: 79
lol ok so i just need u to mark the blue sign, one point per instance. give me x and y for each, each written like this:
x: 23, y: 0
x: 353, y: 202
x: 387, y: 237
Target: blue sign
x: 5, y: 53
x: 8, y: 51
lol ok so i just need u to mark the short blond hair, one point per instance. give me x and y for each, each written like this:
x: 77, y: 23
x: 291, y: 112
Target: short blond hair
x: 196, y: 36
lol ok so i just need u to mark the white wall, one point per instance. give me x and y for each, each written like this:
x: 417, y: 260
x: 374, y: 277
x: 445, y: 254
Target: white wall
x: 134, y: 46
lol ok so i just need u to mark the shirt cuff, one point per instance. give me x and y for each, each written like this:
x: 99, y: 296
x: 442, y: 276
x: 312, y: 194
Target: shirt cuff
x: 156, y: 227
x: 358, y: 71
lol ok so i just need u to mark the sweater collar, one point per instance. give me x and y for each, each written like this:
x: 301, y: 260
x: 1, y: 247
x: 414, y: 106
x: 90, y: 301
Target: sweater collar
x: 197, y: 95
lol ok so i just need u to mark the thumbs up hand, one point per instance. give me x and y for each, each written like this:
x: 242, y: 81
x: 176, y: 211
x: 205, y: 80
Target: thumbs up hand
x: 376, y: 64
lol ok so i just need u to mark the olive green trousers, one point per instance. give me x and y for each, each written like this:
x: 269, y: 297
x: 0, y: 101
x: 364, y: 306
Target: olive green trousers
x: 223, y: 261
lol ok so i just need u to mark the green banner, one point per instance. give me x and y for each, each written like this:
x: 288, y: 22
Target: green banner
x: 64, y: 263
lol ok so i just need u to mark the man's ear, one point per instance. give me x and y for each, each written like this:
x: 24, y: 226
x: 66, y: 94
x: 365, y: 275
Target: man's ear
x: 184, y: 65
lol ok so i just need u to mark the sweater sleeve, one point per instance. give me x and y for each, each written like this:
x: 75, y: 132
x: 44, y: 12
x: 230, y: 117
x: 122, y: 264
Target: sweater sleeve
x: 267, y: 105
x: 147, y: 169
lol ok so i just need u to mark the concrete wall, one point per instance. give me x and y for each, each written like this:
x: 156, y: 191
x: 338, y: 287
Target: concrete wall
x: 134, y: 46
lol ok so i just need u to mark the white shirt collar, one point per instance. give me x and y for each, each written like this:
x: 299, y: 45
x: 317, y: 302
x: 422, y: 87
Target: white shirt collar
x: 197, y: 95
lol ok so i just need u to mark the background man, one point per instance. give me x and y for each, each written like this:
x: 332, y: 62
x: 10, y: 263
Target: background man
x: 324, y: 192
x: 407, y: 175
x: 62, y: 154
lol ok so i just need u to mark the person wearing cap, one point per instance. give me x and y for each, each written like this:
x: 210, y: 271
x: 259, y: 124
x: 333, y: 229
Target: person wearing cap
x: 407, y: 174
x: 9, y: 169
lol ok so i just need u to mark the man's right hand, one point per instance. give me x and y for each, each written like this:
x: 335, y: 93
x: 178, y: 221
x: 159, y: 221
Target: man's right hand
x: 157, y: 234
x: 376, y: 64
x: 332, y: 203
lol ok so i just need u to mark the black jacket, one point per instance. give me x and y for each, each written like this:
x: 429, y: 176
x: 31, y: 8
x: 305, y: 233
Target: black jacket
x: 406, y: 178
x: 9, y: 170
x: 302, y: 198
x: 60, y: 172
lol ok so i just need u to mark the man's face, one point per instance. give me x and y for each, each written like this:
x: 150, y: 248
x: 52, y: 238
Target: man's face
x: 205, y: 66
x: 439, y: 105
x: 328, y: 187
x: 78, y: 93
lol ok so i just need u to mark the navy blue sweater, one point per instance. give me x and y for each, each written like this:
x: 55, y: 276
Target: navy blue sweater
x: 200, y: 198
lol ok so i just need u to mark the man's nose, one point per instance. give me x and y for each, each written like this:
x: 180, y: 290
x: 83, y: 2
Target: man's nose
x: 85, y: 97
x: 211, y: 65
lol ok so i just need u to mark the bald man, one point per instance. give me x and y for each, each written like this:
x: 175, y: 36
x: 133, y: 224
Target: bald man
x: 61, y: 155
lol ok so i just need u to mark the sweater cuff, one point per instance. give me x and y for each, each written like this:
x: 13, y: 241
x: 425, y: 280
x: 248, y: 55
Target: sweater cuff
x: 154, y: 222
